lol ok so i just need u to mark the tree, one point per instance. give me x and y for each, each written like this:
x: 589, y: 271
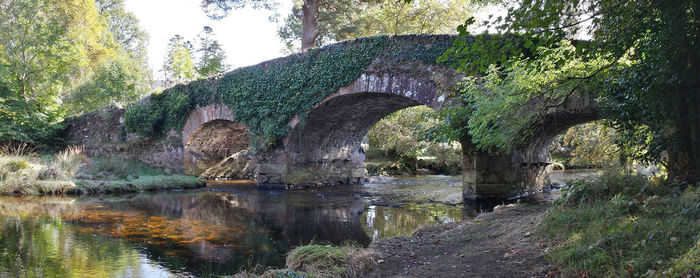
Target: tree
x: 371, y: 18
x: 642, y: 58
x: 211, y: 56
x: 333, y: 16
x: 123, y: 79
x: 179, y: 65
x: 46, y: 48
x: 343, y: 20
x: 218, y: 9
x: 125, y: 29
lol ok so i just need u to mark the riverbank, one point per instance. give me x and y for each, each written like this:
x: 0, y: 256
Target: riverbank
x: 494, y: 244
x: 618, y: 224
x: 24, y: 172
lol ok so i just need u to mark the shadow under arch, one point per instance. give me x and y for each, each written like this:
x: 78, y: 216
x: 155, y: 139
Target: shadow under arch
x: 211, y: 143
x: 326, y: 146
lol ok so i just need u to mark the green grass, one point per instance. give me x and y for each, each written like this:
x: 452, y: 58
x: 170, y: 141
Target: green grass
x: 332, y: 261
x: 143, y: 183
x: 624, y: 225
x: 315, y: 260
x: 70, y: 172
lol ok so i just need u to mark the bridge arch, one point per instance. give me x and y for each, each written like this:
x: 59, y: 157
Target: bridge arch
x: 210, y: 136
x: 526, y: 170
x: 324, y: 147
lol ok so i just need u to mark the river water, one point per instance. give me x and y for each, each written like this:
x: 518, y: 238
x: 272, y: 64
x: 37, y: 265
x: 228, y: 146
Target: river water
x: 217, y: 230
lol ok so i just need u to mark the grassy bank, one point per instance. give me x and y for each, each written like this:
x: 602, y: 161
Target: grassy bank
x: 624, y: 225
x: 315, y: 260
x: 24, y: 172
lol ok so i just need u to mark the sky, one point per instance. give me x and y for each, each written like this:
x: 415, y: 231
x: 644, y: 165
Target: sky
x: 246, y: 35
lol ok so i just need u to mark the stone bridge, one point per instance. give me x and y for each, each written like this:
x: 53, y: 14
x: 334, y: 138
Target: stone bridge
x: 322, y: 146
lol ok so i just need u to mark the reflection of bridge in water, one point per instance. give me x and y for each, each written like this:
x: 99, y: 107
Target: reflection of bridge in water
x: 218, y: 232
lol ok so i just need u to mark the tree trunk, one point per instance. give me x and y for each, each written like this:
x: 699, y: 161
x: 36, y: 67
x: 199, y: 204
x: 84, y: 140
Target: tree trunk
x: 309, y: 31
x: 684, y: 154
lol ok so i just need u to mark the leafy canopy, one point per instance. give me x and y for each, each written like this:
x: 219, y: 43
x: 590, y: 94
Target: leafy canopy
x: 641, y: 57
x: 54, y: 54
x: 342, y: 20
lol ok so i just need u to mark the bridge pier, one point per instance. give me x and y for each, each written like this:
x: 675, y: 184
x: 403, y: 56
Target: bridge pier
x: 490, y: 177
x: 283, y: 170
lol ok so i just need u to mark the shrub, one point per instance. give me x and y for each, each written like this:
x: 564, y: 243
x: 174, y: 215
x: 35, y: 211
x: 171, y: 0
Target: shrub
x: 178, y: 110
x: 142, y: 119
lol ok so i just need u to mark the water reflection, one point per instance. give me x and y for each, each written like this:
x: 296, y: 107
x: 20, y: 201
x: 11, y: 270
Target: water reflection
x: 37, y: 247
x: 216, y: 231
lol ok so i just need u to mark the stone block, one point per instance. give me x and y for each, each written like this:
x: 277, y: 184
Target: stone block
x: 357, y: 173
x: 272, y: 168
x: 276, y: 179
x: 493, y: 190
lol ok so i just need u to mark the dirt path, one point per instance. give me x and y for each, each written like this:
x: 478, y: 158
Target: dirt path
x: 496, y: 244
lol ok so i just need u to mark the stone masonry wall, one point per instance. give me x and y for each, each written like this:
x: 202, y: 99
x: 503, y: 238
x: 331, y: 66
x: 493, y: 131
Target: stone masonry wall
x: 102, y: 133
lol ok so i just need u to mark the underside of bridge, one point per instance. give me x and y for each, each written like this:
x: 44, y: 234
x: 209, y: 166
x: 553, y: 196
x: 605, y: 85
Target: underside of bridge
x: 526, y: 170
x: 211, y: 145
x: 324, y: 148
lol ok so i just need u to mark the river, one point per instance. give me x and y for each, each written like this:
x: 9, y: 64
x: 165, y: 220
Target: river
x: 217, y: 230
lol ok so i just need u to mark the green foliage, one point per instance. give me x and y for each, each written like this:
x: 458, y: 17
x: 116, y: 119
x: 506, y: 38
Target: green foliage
x: 399, y: 131
x: 624, y: 225
x: 588, y: 145
x: 506, y: 102
x: 116, y: 84
x: 178, y: 104
x: 142, y: 118
x: 400, y: 139
x: 179, y: 66
x: 61, y: 58
x: 211, y: 57
x: 267, y: 96
x: 218, y: 9
x: 122, y: 79
x: 641, y: 58
x: 340, y: 20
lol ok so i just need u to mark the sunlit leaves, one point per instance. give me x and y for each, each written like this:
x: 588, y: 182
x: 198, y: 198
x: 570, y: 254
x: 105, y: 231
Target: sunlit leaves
x: 342, y: 20
x: 506, y: 101
x: 655, y: 91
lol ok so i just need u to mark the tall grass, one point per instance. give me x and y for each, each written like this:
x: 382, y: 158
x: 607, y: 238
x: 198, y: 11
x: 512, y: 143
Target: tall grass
x: 23, y: 172
x: 69, y: 161
x: 332, y: 261
x: 625, y: 225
